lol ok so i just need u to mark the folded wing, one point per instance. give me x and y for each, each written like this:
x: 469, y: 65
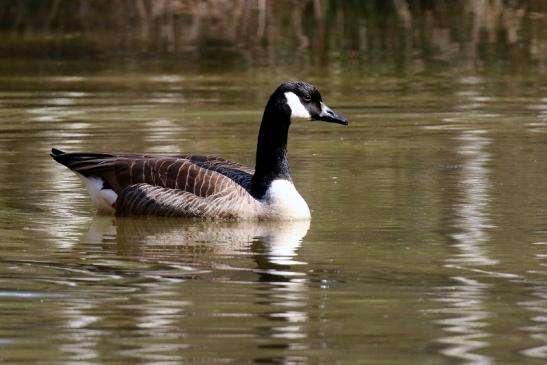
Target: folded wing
x: 178, y: 185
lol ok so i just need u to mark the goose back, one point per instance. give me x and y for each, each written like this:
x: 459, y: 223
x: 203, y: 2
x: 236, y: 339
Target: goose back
x: 173, y: 185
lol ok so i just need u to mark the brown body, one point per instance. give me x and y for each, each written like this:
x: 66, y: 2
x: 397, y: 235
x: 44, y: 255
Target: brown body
x: 182, y: 185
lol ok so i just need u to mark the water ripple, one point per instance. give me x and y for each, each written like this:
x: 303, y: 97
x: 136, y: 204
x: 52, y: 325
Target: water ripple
x: 465, y: 300
x: 538, y: 310
x: 466, y: 328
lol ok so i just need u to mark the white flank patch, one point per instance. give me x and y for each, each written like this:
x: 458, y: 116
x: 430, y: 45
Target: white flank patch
x: 101, y: 198
x: 285, y: 202
x: 298, y: 110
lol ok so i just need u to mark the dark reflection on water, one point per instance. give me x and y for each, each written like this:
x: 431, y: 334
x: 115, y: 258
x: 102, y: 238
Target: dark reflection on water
x: 318, y: 34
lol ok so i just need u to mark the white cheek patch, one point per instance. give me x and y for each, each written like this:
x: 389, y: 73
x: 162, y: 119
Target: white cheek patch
x: 298, y: 110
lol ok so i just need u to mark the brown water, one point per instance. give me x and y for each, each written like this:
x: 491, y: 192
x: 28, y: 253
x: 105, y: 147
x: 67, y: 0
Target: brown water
x: 428, y: 242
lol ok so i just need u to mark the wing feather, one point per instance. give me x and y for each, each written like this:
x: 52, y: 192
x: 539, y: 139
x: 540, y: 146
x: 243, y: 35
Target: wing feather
x: 183, y: 185
x: 145, y: 199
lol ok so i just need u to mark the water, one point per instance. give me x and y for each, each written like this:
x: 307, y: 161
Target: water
x: 427, y: 244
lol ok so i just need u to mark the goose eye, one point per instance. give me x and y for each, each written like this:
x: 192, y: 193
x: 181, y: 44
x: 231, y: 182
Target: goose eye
x: 306, y: 98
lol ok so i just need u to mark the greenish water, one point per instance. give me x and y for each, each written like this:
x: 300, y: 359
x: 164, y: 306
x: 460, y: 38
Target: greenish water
x: 428, y: 238
x: 427, y: 243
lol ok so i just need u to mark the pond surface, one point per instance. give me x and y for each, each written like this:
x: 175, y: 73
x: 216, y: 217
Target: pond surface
x: 427, y: 244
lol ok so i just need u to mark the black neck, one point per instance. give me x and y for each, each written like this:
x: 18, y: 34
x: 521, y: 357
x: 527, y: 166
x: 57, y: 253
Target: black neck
x: 271, y: 150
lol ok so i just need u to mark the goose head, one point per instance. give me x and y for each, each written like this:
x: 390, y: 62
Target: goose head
x: 303, y: 101
x: 291, y: 101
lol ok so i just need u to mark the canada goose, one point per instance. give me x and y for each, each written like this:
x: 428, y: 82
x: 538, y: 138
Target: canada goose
x: 208, y: 186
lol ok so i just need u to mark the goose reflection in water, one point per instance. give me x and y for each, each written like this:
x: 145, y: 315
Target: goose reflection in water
x: 273, y: 245
x: 177, y: 278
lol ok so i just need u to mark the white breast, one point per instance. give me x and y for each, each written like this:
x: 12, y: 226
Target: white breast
x: 284, y: 202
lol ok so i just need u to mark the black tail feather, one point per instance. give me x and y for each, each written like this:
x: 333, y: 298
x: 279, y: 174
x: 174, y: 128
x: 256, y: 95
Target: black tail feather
x: 57, y: 155
x: 75, y: 160
x: 56, y: 152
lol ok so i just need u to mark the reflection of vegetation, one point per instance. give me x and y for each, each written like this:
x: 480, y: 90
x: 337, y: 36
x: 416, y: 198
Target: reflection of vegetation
x: 269, y: 31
